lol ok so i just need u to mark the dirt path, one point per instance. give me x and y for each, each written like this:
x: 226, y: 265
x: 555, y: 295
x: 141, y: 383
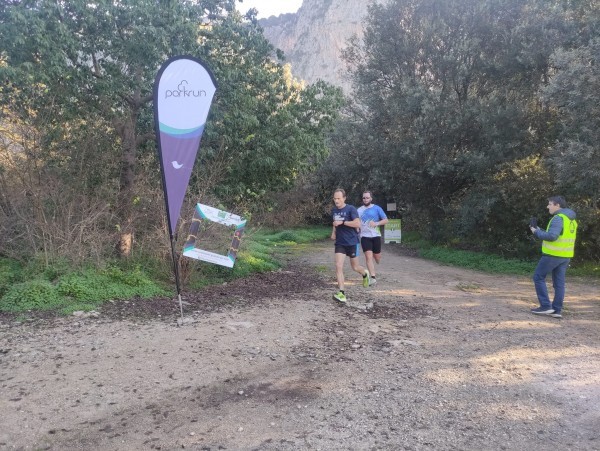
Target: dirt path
x: 431, y: 357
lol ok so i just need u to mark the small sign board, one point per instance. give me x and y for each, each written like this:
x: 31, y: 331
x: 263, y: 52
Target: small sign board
x: 214, y: 215
x: 391, y: 206
x: 393, y: 231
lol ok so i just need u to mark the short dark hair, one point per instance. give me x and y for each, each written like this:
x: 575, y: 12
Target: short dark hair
x: 558, y: 200
x: 340, y: 190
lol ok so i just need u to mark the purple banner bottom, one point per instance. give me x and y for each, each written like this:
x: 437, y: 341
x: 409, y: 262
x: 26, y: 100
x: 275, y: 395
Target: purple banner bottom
x: 178, y: 155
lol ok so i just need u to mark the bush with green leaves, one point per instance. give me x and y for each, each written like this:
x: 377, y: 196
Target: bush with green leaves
x: 40, y: 267
x: 10, y: 273
x: 248, y: 263
x: 110, y: 283
x: 34, y: 294
x: 85, y: 289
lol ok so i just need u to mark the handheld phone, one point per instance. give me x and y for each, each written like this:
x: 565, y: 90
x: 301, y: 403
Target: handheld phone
x: 533, y: 222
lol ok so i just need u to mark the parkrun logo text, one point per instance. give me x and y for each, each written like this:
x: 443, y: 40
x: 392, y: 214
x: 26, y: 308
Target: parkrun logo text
x: 182, y: 91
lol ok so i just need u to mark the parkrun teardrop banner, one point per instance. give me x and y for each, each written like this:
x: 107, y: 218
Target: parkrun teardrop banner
x: 183, y: 92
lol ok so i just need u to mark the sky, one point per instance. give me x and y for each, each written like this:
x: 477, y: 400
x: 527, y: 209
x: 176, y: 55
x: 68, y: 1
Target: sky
x: 267, y: 8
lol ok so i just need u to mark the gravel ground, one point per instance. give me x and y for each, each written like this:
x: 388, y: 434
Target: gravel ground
x: 432, y: 357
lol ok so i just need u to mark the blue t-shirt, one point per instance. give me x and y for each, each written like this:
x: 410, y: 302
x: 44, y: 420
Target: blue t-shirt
x: 344, y: 235
x: 372, y: 213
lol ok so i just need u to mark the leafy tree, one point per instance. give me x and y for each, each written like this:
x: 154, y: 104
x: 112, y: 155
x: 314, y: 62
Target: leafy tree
x: 91, y: 65
x: 574, y: 92
x: 448, y: 88
x: 81, y: 74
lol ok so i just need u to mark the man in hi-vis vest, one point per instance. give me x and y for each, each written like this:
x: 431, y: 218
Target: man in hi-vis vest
x: 558, y: 247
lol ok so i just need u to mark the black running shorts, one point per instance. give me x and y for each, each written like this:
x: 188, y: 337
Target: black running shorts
x: 350, y: 251
x: 371, y: 244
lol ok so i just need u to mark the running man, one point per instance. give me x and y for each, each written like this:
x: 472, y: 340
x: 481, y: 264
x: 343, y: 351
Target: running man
x: 371, y: 217
x: 345, y: 225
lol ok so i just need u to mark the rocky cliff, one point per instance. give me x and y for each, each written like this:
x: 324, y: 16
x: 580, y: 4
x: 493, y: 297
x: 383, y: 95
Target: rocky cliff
x: 314, y: 37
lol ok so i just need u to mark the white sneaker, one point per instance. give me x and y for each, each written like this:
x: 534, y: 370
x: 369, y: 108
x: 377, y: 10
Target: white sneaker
x: 373, y: 281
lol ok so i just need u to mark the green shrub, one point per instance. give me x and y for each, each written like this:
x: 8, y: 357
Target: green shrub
x: 82, y: 290
x: 40, y: 268
x: 31, y: 295
x: 288, y: 236
x: 587, y: 269
x: 10, y: 273
x: 135, y: 277
x: 110, y: 283
x: 248, y: 263
x: 73, y: 286
x: 259, y: 248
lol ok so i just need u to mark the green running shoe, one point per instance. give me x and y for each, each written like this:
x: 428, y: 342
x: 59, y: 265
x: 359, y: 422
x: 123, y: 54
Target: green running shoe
x: 340, y: 297
x: 366, y: 279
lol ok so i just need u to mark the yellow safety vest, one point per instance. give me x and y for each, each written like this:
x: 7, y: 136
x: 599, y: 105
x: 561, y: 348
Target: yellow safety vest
x: 564, y: 245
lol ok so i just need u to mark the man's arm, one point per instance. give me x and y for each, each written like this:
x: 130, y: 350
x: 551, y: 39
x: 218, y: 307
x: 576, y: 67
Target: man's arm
x: 354, y: 223
x: 384, y: 218
x: 378, y: 223
x: 556, y: 226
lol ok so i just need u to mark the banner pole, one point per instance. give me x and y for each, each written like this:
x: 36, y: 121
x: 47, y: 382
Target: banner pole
x: 176, y: 271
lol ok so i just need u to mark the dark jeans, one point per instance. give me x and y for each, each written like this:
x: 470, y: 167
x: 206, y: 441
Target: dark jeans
x: 558, y: 267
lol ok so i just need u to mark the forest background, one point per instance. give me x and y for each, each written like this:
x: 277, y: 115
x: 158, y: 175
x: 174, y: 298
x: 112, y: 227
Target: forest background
x: 467, y: 114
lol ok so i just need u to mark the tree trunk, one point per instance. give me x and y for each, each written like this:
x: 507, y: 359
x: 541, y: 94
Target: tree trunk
x: 127, y: 130
x: 126, y: 187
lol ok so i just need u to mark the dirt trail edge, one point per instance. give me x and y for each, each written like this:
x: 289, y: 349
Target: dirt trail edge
x: 431, y: 357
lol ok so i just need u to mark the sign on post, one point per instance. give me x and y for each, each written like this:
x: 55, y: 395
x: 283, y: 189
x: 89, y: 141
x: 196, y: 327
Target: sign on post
x: 214, y: 215
x: 393, y: 231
